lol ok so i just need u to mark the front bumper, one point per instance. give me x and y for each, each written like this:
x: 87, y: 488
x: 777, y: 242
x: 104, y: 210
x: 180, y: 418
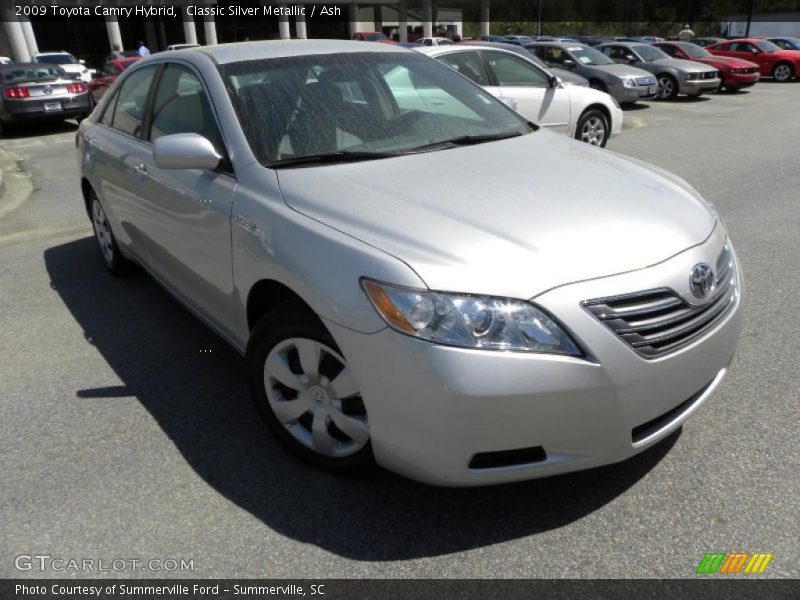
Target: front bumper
x: 699, y: 86
x: 741, y: 80
x: 433, y: 408
x: 641, y: 92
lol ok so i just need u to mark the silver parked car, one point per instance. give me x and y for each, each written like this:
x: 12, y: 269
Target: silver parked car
x: 38, y: 91
x: 625, y: 83
x: 675, y: 76
x: 558, y: 308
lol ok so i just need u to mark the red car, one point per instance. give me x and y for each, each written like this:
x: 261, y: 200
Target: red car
x: 372, y: 36
x: 108, y: 75
x: 736, y: 73
x: 781, y: 65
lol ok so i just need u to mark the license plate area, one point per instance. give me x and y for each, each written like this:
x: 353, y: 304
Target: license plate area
x: 652, y: 89
x: 52, y: 106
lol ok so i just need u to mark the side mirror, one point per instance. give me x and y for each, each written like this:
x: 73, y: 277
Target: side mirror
x: 754, y: 51
x: 630, y: 58
x: 569, y: 63
x: 554, y: 81
x: 185, y: 151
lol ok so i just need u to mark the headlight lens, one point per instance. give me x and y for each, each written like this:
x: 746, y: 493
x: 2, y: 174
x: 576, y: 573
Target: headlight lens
x: 469, y: 321
x: 629, y: 83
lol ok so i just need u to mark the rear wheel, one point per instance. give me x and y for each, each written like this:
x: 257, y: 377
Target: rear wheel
x: 782, y: 72
x: 593, y: 128
x: 305, y: 392
x: 667, y: 87
x: 112, y: 257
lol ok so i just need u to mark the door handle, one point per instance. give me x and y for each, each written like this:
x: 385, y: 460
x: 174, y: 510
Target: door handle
x: 141, y: 169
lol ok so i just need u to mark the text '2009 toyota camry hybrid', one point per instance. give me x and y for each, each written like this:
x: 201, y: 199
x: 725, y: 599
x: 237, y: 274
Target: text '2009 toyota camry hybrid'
x: 415, y: 273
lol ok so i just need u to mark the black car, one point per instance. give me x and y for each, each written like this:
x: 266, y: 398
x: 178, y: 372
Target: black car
x: 31, y: 91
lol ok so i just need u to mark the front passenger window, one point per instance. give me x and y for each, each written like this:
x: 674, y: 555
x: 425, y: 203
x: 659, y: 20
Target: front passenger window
x: 181, y: 106
x: 131, y: 101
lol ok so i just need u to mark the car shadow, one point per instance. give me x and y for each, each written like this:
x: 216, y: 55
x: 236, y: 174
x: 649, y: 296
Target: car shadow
x: 689, y: 99
x: 193, y: 385
x: 14, y: 131
x: 634, y: 106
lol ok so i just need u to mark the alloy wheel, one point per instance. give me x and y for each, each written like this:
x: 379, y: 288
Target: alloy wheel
x: 315, y: 397
x: 593, y: 131
x: 782, y: 72
x: 102, y: 231
x: 666, y: 88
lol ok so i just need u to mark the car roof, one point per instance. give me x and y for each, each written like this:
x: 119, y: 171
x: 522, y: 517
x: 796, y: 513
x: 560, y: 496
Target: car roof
x: 241, y: 51
x: 570, y: 44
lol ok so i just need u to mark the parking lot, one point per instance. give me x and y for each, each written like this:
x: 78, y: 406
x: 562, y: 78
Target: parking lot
x: 127, y: 430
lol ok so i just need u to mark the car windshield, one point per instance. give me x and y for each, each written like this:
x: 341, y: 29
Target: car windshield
x: 359, y: 103
x: 16, y: 73
x: 649, y: 53
x: 57, y: 59
x: 695, y: 51
x: 767, y: 46
x: 589, y: 56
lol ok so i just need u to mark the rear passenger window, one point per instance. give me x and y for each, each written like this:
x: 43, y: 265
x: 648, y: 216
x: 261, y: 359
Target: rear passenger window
x: 468, y: 64
x: 181, y: 106
x: 131, y: 101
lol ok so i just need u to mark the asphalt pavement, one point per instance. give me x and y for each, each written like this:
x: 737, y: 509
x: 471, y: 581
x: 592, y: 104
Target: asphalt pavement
x: 127, y: 433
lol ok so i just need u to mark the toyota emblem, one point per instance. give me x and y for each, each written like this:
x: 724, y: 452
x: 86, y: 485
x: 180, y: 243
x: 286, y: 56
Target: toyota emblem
x: 702, y: 281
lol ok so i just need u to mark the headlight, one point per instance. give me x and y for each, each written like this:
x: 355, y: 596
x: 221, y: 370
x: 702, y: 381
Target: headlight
x: 629, y: 83
x: 469, y: 321
x: 692, y: 76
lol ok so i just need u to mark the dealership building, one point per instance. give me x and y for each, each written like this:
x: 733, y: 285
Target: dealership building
x: 92, y: 36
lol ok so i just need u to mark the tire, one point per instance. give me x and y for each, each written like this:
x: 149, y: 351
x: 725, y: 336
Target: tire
x: 782, y: 72
x: 316, y: 412
x: 667, y: 87
x: 593, y: 128
x: 117, y: 264
x: 598, y: 85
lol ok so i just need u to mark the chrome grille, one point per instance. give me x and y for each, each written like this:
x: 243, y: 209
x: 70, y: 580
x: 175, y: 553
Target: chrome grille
x: 657, y: 322
x: 645, y: 81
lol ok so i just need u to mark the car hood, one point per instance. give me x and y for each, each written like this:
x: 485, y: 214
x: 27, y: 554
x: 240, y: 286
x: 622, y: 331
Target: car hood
x: 622, y: 70
x: 510, y: 218
x: 729, y: 61
x: 688, y: 66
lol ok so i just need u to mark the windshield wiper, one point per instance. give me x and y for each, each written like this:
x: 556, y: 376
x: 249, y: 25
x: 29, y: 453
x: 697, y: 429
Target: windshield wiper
x: 468, y: 140
x: 330, y: 157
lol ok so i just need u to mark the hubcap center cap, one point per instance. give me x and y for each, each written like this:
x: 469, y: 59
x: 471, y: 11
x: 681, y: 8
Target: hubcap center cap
x: 318, y: 395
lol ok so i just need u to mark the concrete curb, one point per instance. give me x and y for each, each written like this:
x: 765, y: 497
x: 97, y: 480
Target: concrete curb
x: 15, y: 184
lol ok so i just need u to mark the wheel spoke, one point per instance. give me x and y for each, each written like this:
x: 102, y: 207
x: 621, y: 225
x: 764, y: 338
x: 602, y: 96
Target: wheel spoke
x: 323, y: 442
x: 288, y: 411
x: 344, y: 384
x: 354, y: 428
x: 277, y: 368
x: 310, y: 354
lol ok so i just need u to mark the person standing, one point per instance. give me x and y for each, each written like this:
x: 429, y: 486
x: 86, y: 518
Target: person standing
x: 143, y: 51
x: 686, y: 34
x: 116, y: 52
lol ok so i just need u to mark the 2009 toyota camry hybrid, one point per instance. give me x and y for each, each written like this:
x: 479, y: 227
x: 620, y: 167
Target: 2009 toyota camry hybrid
x: 414, y: 273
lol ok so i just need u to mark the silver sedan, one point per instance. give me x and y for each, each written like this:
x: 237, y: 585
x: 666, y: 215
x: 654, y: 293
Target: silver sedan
x: 414, y: 273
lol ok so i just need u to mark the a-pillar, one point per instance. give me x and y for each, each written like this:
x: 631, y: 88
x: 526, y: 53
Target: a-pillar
x: 210, y: 29
x: 402, y: 16
x: 189, y: 31
x: 484, y: 17
x: 427, y: 19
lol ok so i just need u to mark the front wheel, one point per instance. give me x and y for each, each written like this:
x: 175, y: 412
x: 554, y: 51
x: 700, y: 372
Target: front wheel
x: 305, y: 392
x: 782, y: 72
x: 667, y: 87
x: 593, y: 128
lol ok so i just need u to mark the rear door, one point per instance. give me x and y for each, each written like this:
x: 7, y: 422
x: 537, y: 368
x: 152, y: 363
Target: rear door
x: 470, y: 64
x: 529, y: 87
x: 188, y: 228
x: 115, y: 154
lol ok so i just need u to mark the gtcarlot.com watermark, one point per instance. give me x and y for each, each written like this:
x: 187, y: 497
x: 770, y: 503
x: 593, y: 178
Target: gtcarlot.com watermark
x: 46, y: 562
